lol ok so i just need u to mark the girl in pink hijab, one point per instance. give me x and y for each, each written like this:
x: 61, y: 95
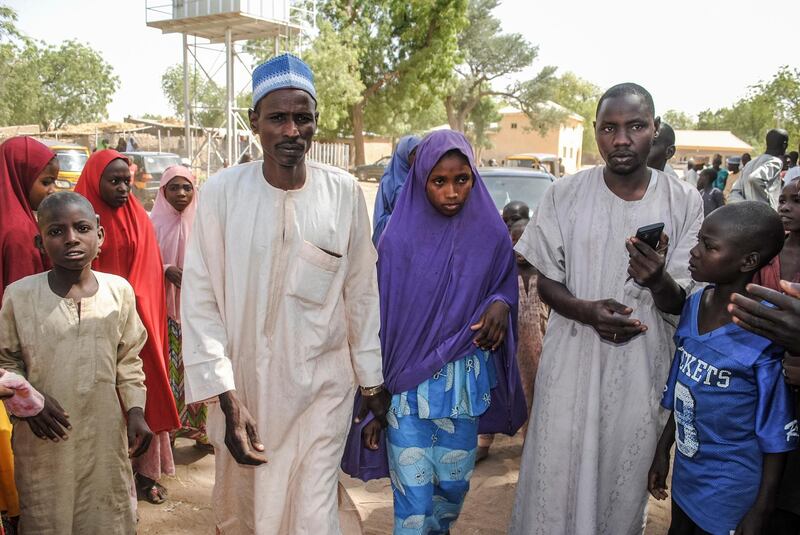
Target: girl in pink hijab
x: 173, y: 216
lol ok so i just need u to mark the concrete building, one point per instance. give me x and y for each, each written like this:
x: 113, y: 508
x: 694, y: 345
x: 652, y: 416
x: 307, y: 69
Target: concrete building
x: 514, y: 135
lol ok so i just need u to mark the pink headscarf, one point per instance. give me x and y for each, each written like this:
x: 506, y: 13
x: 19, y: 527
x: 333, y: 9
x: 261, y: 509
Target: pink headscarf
x: 172, y: 230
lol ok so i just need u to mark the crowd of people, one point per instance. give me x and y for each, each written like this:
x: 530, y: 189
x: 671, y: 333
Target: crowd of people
x: 270, y: 322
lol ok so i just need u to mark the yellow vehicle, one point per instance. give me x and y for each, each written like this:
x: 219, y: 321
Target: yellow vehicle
x: 71, y: 159
x: 535, y: 160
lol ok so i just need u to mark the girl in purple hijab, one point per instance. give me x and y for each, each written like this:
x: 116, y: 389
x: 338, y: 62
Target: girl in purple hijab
x: 448, y: 288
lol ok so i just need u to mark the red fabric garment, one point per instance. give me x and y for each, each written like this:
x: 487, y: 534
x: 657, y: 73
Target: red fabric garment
x: 21, y: 161
x: 770, y: 275
x: 131, y: 251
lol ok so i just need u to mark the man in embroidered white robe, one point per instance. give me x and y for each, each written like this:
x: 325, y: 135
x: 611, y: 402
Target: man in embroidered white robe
x: 280, y: 319
x: 596, y: 416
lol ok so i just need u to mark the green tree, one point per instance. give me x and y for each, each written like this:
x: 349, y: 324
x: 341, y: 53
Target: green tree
x: 489, y: 55
x: 481, y: 118
x: 206, y: 96
x: 337, y: 78
x: 8, y: 24
x: 580, y: 96
x: 11, y: 39
x: 770, y: 104
x: 398, y: 54
x: 679, y: 120
x: 56, y: 85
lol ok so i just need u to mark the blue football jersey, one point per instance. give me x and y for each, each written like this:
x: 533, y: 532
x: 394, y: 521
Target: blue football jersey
x: 731, y: 406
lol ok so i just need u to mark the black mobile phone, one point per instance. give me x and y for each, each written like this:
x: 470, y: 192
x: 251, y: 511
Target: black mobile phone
x: 651, y: 234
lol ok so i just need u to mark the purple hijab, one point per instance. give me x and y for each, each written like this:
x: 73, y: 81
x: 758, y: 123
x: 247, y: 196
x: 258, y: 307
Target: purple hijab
x: 436, y: 276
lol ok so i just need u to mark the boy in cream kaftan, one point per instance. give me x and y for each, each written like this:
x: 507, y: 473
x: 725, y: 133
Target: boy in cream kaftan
x: 80, y: 485
x: 280, y: 303
x: 596, y: 416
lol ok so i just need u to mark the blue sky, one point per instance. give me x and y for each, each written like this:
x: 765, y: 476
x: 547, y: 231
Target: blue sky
x: 691, y: 54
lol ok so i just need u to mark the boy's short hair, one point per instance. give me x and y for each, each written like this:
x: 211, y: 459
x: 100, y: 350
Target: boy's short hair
x: 57, y: 201
x: 755, y: 226
x: 710, y: 172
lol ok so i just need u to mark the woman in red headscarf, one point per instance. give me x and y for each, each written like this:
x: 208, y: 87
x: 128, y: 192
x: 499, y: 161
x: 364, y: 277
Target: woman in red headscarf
x: 28, y: 171
x: 131, y: 251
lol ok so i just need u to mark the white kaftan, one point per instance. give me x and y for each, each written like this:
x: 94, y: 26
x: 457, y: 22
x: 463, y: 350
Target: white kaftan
x: 596, y: 416
x: 760, y: 180
x: 280, y: 302
x: 670, y: 171
x: 89, y: 362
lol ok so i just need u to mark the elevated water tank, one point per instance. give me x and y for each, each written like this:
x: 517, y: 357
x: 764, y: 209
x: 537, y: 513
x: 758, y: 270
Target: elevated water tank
x: 209, y: 19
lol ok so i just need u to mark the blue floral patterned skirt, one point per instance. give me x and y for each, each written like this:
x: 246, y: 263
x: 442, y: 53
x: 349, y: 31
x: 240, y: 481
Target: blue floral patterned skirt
x: 432, y: 438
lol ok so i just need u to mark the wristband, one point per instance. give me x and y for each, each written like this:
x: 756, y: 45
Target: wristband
x: 371, y: 391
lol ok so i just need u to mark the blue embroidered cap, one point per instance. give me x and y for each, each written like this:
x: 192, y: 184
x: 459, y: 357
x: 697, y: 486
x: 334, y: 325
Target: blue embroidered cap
x: 282, y: 72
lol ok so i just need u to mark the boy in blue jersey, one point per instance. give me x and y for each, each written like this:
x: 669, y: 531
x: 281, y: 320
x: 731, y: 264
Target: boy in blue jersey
x: 732, y: 413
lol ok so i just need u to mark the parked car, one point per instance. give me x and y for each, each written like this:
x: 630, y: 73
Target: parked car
x: 372, y: 171
x: 149, y: 168
x: 506, y: 185
x: 71, y: 159
x: 535, y: 160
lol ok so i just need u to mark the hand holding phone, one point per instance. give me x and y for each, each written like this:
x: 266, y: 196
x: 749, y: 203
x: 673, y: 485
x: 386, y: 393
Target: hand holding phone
x: 650, y: 234
x: 647, y: 255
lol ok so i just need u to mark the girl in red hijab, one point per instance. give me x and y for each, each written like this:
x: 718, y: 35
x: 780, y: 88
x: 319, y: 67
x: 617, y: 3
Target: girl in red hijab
x: 28, y: 171
x: 131, y: 251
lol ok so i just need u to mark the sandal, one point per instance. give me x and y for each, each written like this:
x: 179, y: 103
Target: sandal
x: 150, y: 490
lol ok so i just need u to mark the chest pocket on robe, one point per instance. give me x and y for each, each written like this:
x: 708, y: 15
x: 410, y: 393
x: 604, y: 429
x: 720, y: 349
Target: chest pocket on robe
x: 313, y: 274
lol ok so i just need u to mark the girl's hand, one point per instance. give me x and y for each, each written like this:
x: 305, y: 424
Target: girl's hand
x: 6, y: 393
x: 371, y: 435
x: 52, y: 423
x: 174, y: 275
x: 492, y: 326
x: 139, y: 433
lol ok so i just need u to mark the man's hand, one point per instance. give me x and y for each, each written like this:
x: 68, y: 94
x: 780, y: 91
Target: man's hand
x: 377, y: 404
x: 610, y: 319
x: 139, y: 433
x: 371, y: 435
x: 657, y: 476
x: 52, y: 423
x: 492, y: 326
x: 174, y: 275
x: 646, y: 265
x: 241, y: 436
x: 781, y: 324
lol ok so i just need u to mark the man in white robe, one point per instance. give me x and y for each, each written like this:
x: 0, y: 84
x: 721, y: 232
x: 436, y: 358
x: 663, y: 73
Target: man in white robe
x: 280, y: 319
x: 691, y: 173
x: 761, y: 178
x: 596, y: 417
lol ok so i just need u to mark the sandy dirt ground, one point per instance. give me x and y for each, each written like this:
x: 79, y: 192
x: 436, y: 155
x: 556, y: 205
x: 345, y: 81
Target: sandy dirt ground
x: 487, y: 509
